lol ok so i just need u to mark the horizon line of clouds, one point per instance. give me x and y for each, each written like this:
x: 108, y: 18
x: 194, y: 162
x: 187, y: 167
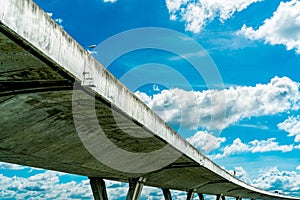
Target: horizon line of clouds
x: 44, y: 185
x: 272, y: 179
x: 48, y: 185
x: 284, y: 181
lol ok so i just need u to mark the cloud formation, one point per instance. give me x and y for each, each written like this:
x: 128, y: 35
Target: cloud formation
x: 196, y: 14
x: 240, y: 173
x: 59, y: 21
x: 110, y: 1
x: 274, y: 179
x: 206, y: 142
x: 45, y: 185
x: 193, y: 109
x: 282, y: 28
x: 53, y: 185
x: 48, y: 185
x: 255, y: 146
x: 10, y: 166
x: 292, y: 126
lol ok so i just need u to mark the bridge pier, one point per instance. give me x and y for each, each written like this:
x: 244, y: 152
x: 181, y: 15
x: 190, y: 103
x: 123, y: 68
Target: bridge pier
x: 135, y: 188
x: 190, y: 195
x: 98, y: 188
x: 167, y: 194
x: 200, y: 195
x: 220, y: 197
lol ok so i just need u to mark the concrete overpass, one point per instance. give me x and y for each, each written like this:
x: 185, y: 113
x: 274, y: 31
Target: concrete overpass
x: 39, y: 66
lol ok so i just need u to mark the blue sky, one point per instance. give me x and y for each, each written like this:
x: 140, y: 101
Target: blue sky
x: 255, y: 45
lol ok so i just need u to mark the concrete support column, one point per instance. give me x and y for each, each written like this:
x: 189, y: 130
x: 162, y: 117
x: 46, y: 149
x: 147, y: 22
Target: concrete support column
x: 239, y: 198
x: 167, y: 194
x: 190, y: 195
x: 201, y: 197
x: 220, y: 197
x: 135, y: 188
x: 98, y: 188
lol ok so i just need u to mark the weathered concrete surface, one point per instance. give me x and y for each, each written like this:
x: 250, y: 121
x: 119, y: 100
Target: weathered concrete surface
x: 98, y: 188
x: 39, y: 63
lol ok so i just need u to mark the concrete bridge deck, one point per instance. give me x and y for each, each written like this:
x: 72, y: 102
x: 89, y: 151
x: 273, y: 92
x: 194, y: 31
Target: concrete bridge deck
x: 39, y: 66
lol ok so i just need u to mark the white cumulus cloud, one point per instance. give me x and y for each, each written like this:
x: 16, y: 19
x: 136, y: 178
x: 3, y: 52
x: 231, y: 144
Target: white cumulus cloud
x: 50, y: 14
x: 53, y: 185
x: 292, y: 126
x: 268, y: 145
x: 59, y: 21
x: 274, y: 179
x: 110, y: 1
x: 48, y: 185
x: 282, y: 28
x: 240, y: 173
x: 44, y: 185
x: 236, y: 147
x: 197, y: 14
x: 4, y: 165
x: 205, y: 141
x: 194, y: 109
x: 255, y: 146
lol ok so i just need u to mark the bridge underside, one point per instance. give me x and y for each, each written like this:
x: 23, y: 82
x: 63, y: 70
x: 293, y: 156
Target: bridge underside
x: 37, y: 127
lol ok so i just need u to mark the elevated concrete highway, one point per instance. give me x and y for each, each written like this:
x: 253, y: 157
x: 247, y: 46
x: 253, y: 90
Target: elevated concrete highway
x: 39, y: 66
